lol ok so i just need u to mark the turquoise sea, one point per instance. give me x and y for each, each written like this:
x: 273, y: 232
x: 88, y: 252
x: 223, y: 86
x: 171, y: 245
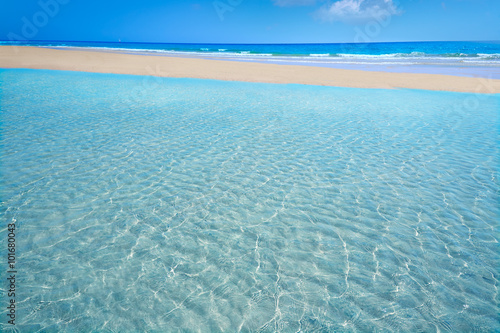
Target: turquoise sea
x: 488, y: 51
x: 168, y: 205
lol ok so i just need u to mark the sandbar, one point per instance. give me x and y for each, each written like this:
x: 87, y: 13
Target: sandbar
x: 171, y: 66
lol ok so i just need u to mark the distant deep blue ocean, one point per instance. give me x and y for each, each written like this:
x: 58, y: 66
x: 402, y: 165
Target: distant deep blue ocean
x: 147, y: 204
x: 456, y: 58
x: 464, y: 50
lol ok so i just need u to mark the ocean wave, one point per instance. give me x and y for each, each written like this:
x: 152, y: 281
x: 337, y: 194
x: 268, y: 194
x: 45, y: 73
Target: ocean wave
x: 421, y: 55
x: 407, y: 58
x: 480, y: 51
x: 489, y: 56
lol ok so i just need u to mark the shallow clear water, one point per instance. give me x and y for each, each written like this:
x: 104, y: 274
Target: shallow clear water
x: 169, y: 204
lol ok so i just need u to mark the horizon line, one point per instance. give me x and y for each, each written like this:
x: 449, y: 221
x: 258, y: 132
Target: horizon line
x: 215, y: 43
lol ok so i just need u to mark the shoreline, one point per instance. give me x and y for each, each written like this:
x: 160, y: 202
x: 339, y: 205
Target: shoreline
x: 227, y: 70
x: 453, y: 68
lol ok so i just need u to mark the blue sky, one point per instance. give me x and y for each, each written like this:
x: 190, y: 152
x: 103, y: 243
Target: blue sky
x: 251, y: 21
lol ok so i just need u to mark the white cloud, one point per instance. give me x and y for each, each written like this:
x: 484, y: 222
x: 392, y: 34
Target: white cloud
x: 358, y: 11
x: 290, y: 3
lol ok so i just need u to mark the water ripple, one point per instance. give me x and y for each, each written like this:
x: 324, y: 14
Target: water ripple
x: 219, y: 206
